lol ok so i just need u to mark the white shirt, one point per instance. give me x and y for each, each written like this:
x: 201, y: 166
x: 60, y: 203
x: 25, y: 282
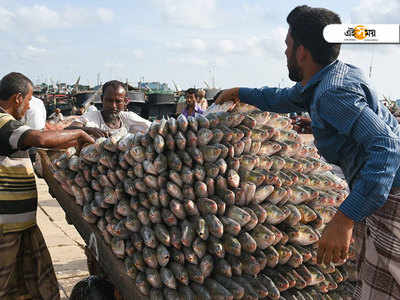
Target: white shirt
x: 35, y: 116
x: 56, y: 117
x: 131, y: 122
x: 91, y: 108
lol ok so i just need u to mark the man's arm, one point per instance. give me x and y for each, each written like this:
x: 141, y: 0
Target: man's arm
x: 270, y: 99
x: 135, y: 122
x: 349, y: 113
x: 76, y: 124
x: 59, y: 139
x: 81, y: 122
x: 16, y: 136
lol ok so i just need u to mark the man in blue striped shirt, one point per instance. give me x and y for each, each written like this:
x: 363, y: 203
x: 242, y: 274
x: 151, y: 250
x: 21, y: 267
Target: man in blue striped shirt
x: 352, y: 129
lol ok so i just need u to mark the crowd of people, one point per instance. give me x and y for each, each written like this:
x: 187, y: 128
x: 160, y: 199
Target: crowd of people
x: 194, y: 102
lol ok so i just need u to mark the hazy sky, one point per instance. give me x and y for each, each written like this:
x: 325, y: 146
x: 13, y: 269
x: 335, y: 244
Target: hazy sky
x: 242, y: 42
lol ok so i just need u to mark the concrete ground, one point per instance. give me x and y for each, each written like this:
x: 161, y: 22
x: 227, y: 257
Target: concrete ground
x: 63, y: 241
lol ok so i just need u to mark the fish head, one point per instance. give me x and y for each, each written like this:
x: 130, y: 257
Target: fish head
x: 308, y: 235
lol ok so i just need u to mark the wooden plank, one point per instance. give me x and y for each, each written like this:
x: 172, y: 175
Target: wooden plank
x: 112, y: 266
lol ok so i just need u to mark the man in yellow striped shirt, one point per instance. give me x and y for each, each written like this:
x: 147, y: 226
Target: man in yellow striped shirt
x: 26, y: 270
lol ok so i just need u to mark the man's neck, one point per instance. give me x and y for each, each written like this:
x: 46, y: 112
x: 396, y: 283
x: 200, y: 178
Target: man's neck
x: 5, y: 107
x: 110, y: 119
x: 310, y: 72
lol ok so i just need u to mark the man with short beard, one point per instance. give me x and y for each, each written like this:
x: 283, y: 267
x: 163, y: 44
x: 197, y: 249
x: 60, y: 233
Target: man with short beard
x: 112, y: 119
x: 353, y: 130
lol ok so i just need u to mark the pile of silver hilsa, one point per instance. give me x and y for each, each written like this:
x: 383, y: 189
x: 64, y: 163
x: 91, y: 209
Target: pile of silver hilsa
x: 223, y: 206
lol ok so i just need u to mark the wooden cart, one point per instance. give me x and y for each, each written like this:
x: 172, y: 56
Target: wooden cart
x: 112, y: 267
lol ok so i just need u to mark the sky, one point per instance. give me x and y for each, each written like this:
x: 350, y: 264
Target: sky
x: 190, y: 42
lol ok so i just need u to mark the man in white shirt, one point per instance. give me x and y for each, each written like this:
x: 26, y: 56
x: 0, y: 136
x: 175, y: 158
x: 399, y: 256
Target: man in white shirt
x: 91, y: 107
x: 35, y: 117
x: 57, y: 116
x: 112, y: 119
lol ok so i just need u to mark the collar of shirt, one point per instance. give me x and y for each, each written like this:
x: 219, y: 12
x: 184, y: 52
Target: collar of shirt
x: 197, y: 109
x: 318, y: 76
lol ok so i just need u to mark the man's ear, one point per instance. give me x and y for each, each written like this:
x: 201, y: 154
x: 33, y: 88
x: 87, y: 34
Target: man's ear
x: 301, y: 53
x: 17, y: 98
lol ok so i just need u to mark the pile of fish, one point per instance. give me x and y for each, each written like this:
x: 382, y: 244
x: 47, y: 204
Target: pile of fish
x: 222, y: 206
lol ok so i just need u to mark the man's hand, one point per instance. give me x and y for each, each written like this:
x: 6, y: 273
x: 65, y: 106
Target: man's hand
x: 95, y: 132
x: 228, y: 95
x: 83, y: 140
x: 334, y: 244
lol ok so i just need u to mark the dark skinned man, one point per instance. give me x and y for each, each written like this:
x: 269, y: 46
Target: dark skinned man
x: 26, y: 270
x: 192, y: 107
x: 112, y: 119
x: 354, y: 130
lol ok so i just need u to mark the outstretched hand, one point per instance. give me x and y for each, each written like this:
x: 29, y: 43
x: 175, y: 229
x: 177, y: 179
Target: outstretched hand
x: 83, y: 140
x: 95, y: 132
x: 227, y: 95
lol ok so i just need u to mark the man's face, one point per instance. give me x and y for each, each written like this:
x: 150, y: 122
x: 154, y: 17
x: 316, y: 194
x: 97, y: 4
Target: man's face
x: 295, y: 72
x: 190, y: 99
x: 22, y: 103
x: 114, y: 101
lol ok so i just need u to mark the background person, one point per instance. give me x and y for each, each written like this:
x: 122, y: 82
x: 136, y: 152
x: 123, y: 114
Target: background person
x: 91, y: 107
x: 354, y: 130
x: 26, y: 268
x: 74, y: 110
x: 57, y: 116
x: 201, y: 99
x: 192, y: 107
x: 35, y: 116
x: 81, y: 111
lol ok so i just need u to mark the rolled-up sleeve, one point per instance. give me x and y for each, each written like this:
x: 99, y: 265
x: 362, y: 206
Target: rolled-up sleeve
x: 348, y: 112
x: 278, y: 100
x: 89, y: 119
x: 136, y: 123
x: 11, y: 133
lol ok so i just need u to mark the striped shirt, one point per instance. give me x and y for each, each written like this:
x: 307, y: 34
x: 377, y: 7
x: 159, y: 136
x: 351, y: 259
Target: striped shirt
x: 352, y: 129
x: 18, y: 194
